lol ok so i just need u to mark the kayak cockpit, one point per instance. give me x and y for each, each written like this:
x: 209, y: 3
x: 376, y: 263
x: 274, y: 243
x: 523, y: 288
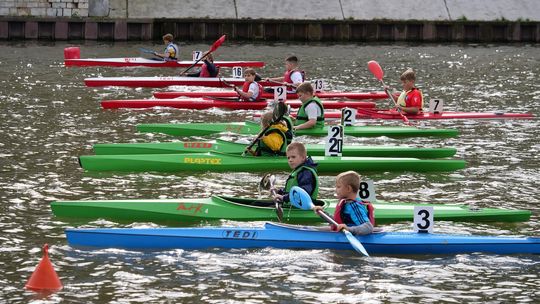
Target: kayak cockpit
x: 261, y: 203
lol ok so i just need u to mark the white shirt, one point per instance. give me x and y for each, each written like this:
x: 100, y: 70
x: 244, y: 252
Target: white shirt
x: 253, y: 88
x: 296, y: 78
x: 312, y: 110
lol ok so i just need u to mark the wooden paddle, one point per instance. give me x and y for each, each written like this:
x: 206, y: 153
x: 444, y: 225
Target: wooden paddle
x: 267, y: 183
x: 377, y: 71
x: 214, y: 47
x: 279, y: 111
x: 300, y: 199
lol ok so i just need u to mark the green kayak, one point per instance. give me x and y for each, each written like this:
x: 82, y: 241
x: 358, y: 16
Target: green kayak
x: 252, y: 128
x: 219, y: 162
x: 237, y: 148
x: 180, y: 211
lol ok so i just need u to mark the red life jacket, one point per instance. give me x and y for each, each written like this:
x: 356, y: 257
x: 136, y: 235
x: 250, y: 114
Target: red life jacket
x: 206, y: 73
x: 339, y: 206
x: 287, y: 75
x: 245, y: 89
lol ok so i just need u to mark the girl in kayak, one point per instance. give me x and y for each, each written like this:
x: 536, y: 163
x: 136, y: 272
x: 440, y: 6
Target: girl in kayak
x: 411, y: 100
x: 351, y: 213
x: 251, y: 91
x: 311, y: 113
x: 274, y: 142
x: 171, y: 49
x: 304, y: 174
x: 293, y: 76
x: 208, y: 69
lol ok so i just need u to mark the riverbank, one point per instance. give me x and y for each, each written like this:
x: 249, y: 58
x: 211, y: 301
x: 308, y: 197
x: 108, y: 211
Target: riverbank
x: 336, y: 20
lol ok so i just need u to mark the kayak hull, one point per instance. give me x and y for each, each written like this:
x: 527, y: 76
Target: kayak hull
x: 237, y: 148
x: 215, y: 208
x: 286, y: 237
x: 207, y: 103
x: 393, y: 115
x: 225, y: 94
x: 160, y: 82
x: 252, y: 128
x: 144, y: 62
x: 219, y: 162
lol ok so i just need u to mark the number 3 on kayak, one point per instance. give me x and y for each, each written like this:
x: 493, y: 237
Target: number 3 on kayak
x: 423, y: 219
x: 334, y: 142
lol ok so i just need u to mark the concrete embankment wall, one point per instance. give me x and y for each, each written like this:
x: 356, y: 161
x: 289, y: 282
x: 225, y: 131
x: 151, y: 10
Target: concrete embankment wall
x: 310, y: 20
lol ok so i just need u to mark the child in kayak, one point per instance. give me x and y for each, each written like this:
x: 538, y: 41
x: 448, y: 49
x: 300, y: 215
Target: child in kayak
x: 171, y: 49
x: 274, y: 142
x: 311, y: 113
x: 208, y: 69
x: 304, y: 174
x: 411, y: 100
x: 251, y: 90
x: 351, y: 213
x: 293, y: 75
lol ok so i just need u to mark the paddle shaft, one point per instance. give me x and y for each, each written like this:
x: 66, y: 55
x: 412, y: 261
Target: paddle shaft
x: 354, y: 241
x: 248, y: 148
x: 283, y: 83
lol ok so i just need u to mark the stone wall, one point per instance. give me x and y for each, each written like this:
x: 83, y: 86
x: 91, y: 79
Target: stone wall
x: 44, y: 8
x: 346, y: 10
x: 275, y: 20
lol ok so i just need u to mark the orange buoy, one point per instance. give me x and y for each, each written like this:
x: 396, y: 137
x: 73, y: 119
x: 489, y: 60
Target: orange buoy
x: 44, y: 277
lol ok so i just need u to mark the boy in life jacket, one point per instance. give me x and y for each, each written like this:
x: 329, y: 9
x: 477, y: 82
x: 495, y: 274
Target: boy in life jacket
x: 208, y: 69
x: 274, y: 142
x: 171, y: 49
x: 293, y: 75
x: 251, y: 90
x: 351, y: 213
x: 311, y: 113
x: 411, y: 100
x: 304, y: 174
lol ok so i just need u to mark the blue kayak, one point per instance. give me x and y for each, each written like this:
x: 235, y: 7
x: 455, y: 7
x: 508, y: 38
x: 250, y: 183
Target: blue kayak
x: 296, y: 237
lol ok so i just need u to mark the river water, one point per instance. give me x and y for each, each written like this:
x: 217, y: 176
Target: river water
x: 48, y: 117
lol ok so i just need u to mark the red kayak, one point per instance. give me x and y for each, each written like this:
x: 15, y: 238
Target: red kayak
x: 350, y: 95
x: 159, y: 82
x: 392, y: 114
x: 72, y: 57
x: 139, y: 61
x: 206, y: 103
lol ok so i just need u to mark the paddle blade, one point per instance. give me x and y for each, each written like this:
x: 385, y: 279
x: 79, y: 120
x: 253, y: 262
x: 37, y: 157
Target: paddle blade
x: 355, y: 243
x: 375, y: 69
x: 300, y: 198
x: 279, y: 110
x: 267, y: 182
x: 218, y: 43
